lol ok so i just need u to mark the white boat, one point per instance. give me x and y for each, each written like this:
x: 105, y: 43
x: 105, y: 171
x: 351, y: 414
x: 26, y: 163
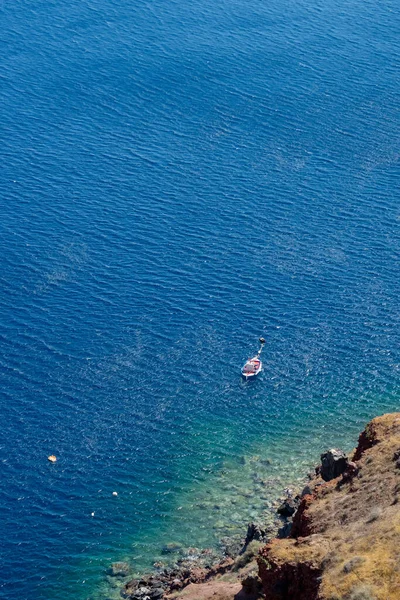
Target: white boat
x: 253, y: 365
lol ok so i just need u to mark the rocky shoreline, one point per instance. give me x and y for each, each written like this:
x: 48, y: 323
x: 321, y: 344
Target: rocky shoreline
x: 201, y: 566
x: 236, y: 496
x: 197, y: 566
x: 307, y: 553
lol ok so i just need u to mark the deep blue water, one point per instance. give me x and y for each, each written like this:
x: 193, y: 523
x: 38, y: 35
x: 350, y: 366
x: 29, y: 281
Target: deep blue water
x: 179, y: 178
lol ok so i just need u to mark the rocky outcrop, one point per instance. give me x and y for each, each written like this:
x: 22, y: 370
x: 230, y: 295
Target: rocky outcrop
x: 367, y: 439
x: 344, y: 543
x: 294, y: 579
x: 333, y: 463
x: 155, y: 587
x: 258, y: 532
x: 288, y: 507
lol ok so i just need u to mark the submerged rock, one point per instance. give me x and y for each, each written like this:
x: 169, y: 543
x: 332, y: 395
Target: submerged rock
x: 147, y: 588
x: 119, y: 569
x: 171, y: 548
x: 231, y: 546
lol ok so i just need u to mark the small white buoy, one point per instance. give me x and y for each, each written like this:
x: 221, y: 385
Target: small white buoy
x: 115, y: 493
x: 92, y: 514
x: 52, y: 458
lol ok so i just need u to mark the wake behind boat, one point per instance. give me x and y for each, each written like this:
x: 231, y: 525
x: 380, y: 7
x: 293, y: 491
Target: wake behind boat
x: 253, y: 365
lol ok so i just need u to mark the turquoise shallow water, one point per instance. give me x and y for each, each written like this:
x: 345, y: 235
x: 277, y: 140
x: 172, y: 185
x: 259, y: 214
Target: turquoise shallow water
x: 178, y: 179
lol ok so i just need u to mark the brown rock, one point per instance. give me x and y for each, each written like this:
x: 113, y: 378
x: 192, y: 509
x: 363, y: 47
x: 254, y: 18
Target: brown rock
x: 216, y: 590
x: 302, y: 524
x: 293, y: 579
x: 213, y: 590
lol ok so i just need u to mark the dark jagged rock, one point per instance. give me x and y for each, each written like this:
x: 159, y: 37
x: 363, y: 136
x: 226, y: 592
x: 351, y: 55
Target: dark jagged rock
x: 252, y: 584
x: 396, y: 455
x: 285, y: 530
x: 157, y: 594
x: 255, y: 531
x: 306, y: 491
x: 334, y: 463
x: 288, y: 507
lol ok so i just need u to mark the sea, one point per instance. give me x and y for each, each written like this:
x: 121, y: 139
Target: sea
x: 177, y: 180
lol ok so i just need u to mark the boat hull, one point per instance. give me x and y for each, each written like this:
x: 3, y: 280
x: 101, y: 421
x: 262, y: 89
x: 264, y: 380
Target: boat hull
x: 252, y: 368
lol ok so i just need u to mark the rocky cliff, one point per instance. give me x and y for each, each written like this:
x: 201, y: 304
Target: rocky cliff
x: 341, y: 540
x: 344, y: 543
